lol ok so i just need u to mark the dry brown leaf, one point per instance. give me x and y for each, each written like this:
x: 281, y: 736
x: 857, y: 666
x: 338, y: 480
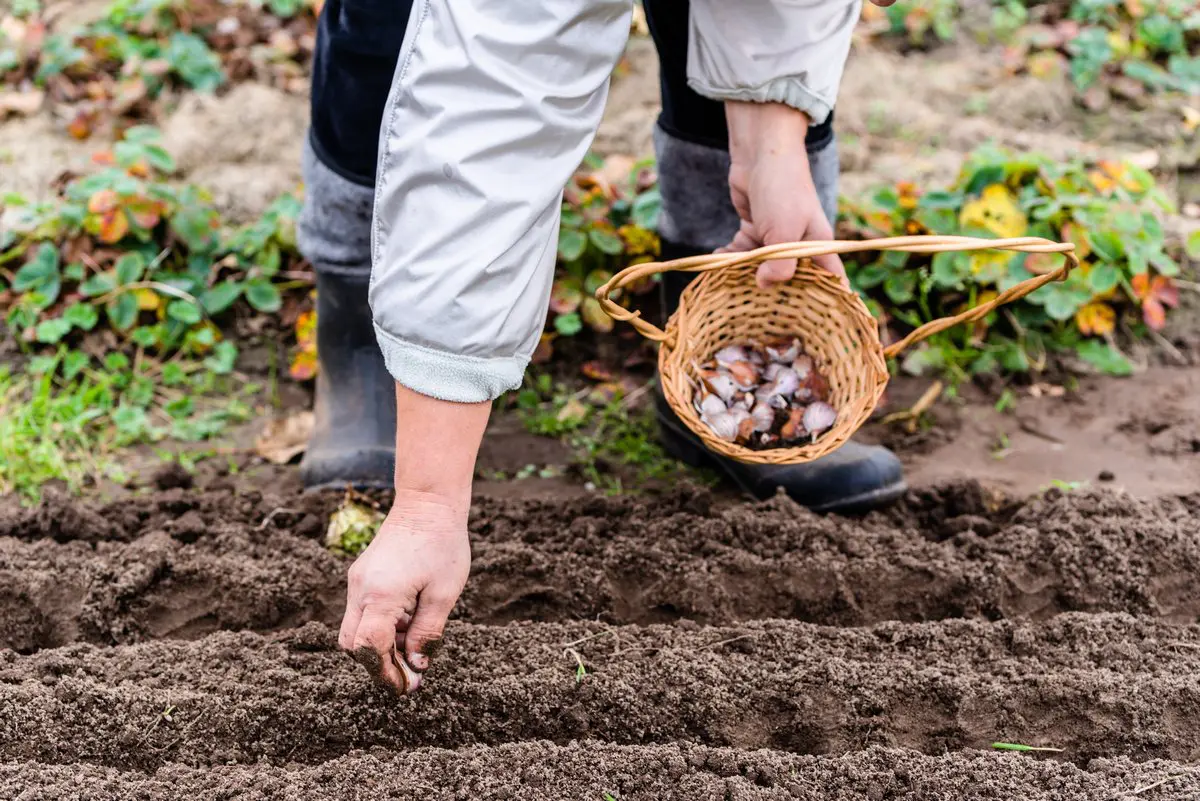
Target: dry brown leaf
x: 284, y: 440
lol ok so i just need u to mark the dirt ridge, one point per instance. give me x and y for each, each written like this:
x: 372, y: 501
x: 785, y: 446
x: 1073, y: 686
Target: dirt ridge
x: 183, y: 567
x: 1094, y: 685
x: 543, y: 770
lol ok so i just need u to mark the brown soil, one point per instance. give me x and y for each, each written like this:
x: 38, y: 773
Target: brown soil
x: 1094, y: 685
x: 179, y: 564
x: 588, y: 769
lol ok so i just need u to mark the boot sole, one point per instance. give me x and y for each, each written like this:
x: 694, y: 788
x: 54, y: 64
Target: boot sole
x: 683, y: 448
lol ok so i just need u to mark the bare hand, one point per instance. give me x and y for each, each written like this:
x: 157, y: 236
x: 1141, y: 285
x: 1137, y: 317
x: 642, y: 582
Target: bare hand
x: 772, y: 187
x: 402, y: 588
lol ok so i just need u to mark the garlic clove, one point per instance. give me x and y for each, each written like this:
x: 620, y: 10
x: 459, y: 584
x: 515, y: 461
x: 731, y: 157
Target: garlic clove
x: 720, y: 383
x: 819, y: 416
x: 784, y: 350
x: 787, y: 382
x: 722, y: 425
x: 711, y: 405
x: 772, y: 371
x: 744, y: 374
x: 733, y: 353
x: 803, y: 365
x: 763, y: 416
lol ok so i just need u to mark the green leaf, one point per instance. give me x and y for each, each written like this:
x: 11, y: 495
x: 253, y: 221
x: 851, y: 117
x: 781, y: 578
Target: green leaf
x: 646, y: 209
x: 98, y: 284
x: 263, y: 296
x: 1059, y: 303
x: 949, y: 269
x: 1103, y: 277
x: 122, y: 311
x: 940, y: 200
x: 870, y: 276
x: 147, y: 336
x: 41, y: 273
x: 220, y: 297
x: 223, y: 357
x: 116, y: 362
x: 900, y: 286
x: 74, y: 272
x: 568, y: 324
x: 606, y: 241
x: 173, y: 375
x: 1104, y: 357
x: 184, y: 311
x: 1107, y: 245
x: 571, y: 244
x: 73, y: 363
x: 129, y: 268
x: 82, y: 315
x: 1193, y: 244
x: 51, y: 331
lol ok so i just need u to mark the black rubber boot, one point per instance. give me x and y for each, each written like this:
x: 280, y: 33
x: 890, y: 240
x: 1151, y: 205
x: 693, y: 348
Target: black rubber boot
x: 354, y: 441
x: 854, y: 478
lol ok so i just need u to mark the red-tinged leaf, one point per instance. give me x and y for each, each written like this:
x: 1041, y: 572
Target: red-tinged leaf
x: 103, y: 202
x: 303, y: 366
x: 606, y: 393
x: 1165, y: 291
x: 139, y: 169
x: 1154, y: 314
x: 104, y: 158
x: 597, y: 371
x: 144, y: 212
x: 566, y: 296
x: 113, y: 227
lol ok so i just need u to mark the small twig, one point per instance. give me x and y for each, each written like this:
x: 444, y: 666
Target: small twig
x: 1169, y: 347
x: 589, y: 638
x: 1147, y: 788
x: 271, y: 516
x: 1030, y: 428
x: 1191, y: 645
x: 724, y: 642
x: 913, y: 414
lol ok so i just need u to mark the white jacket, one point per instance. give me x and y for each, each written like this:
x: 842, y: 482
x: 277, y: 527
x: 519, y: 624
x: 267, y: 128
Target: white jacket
x: 493, y: 106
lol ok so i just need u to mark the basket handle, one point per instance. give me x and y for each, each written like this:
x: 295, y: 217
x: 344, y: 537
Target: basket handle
x: 809, y: 250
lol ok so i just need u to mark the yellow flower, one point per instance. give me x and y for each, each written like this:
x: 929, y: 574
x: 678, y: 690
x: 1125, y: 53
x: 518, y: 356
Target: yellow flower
x: 996, y: 210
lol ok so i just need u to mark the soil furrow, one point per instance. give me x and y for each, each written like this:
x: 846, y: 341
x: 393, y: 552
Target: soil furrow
x: 184, y: 570
x: 541, y: 770
x: 1094, y: 685
x: 111, y: 592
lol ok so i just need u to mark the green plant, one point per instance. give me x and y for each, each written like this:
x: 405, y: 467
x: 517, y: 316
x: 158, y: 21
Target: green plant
x: 917, y: 19
x: 143, y: 272
x: 605, y: 227
x: 1108, y: 210
x: 1147, y: 44
x: 125, y: 59
x: 66, y: 414
x: 1026, y: 748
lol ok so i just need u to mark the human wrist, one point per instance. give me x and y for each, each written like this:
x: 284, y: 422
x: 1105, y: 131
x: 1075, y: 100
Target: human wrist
x: 436, y: 445
x: 764, y: 127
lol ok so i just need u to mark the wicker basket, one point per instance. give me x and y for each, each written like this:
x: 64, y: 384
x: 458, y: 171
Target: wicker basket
x: 725, y: 305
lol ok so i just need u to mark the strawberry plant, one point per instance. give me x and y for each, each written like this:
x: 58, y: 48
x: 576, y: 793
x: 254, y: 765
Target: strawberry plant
x: 1109, y: 210
x: 120, y: 64
x: 128, y: 278
x: 606, y: 225
x: 1126, y: 47
x: 919, y: 22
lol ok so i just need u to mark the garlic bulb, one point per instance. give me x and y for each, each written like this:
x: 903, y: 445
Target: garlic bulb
x: 819, y: 416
